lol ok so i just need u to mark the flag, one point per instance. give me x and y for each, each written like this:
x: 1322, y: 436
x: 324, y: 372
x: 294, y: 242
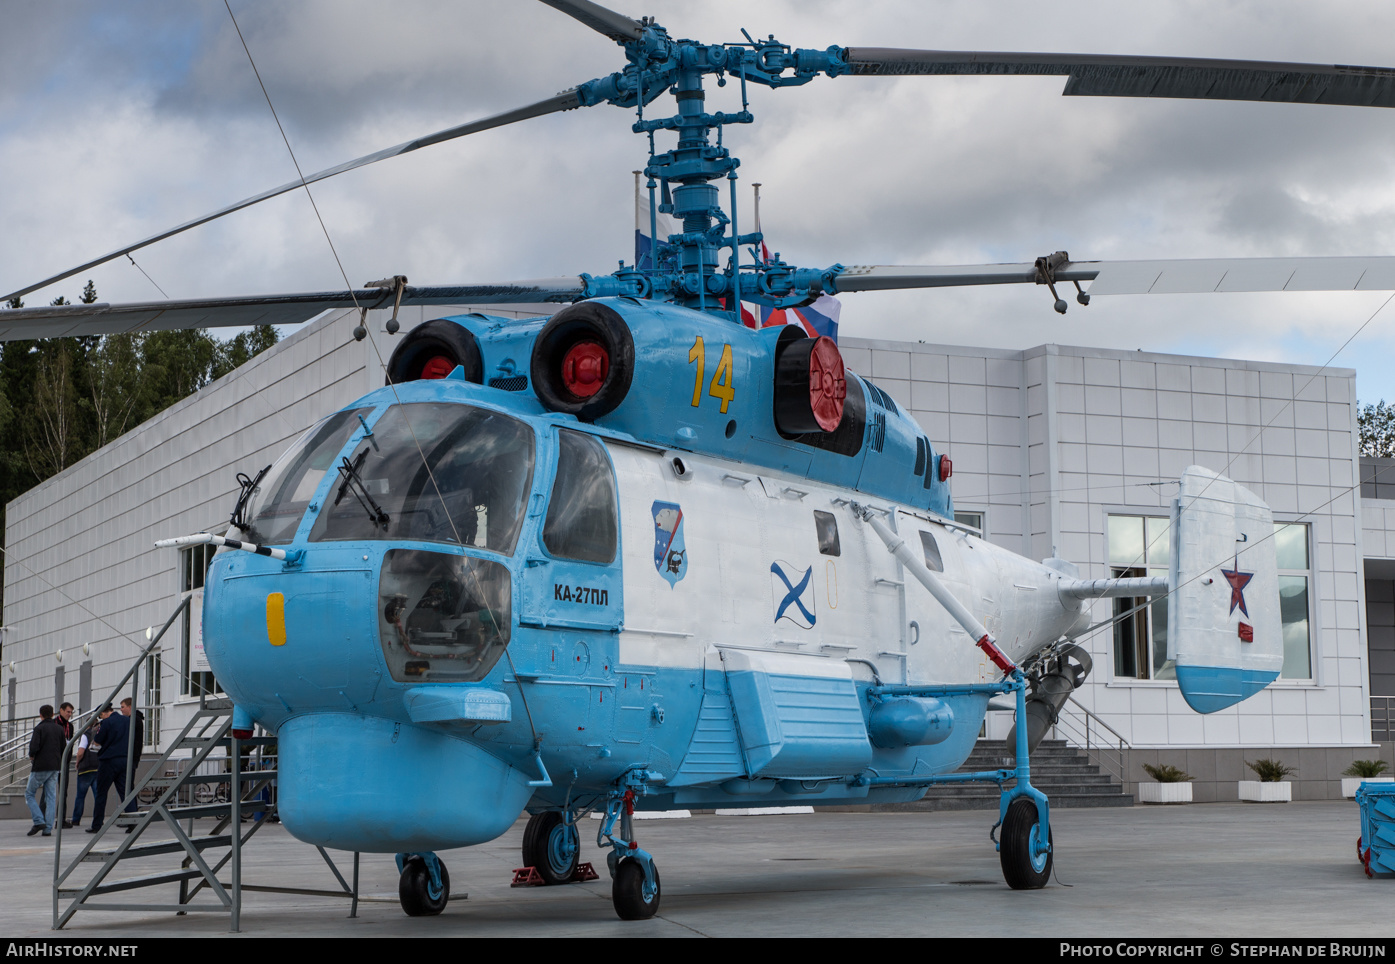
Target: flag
x: 819, y: 318
x: 644, y: 244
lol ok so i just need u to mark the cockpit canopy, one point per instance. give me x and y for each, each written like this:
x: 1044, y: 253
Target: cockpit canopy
x: 427, y: 472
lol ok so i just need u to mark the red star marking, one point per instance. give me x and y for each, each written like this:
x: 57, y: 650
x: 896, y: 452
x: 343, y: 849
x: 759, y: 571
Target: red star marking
x: 1238, y: 581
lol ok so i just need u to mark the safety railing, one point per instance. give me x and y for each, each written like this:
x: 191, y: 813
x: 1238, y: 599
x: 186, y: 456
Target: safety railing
x: 14, y: 754
x: 1079, y: 727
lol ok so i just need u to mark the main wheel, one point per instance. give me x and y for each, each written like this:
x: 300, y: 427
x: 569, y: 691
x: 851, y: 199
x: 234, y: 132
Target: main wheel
x: 419, y: 898
x: 551, y: 846
x: 634, y: 899
x: 1021, y: 870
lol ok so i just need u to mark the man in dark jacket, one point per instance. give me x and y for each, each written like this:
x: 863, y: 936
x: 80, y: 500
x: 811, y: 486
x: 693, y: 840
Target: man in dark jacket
x: 45, y: 756
x: 111, y: 763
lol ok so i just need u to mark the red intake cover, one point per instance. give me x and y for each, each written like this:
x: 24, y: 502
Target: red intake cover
x: 827, y: 384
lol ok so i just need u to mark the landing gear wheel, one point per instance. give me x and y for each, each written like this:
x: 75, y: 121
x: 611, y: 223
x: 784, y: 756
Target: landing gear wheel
x: 419, y: 898
x: 634, y: 899
x: 551, y: 846
x: 1020, y: 831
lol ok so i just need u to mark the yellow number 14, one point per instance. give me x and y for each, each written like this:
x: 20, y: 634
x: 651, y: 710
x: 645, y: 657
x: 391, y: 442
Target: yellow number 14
x: 723, y: 385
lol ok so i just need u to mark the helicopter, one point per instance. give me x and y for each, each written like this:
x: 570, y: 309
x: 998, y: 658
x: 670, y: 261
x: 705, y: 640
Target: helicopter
x: 637, y: 556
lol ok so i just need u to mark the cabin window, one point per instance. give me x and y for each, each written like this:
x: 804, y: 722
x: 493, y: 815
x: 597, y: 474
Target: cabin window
x: 281, y: 498
x: 582, y: 521
x: 441, y: 617
x: 827, y: 528
x: 931, y: 549
x: 433, y: 472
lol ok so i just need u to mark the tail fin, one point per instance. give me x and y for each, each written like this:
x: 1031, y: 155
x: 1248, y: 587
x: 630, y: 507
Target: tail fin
x: 1224, y: 631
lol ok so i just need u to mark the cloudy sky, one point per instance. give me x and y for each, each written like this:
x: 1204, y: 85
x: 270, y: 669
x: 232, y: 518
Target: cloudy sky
x: 120, y: 119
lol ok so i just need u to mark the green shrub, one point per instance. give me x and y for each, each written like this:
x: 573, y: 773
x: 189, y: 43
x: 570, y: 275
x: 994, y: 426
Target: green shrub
x: 1366, y: 769
x: 1270, y: 771
x: 1167, y: 773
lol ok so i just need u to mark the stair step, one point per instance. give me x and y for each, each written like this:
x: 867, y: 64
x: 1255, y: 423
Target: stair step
x: 152, y: 850
x: 200, y: 810
x: 133, y: 883
x: 1063, y: 772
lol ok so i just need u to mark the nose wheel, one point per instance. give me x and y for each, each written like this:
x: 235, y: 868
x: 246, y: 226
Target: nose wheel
x: 634, y: 888
x: 424, y: 886
x: 634, y: 897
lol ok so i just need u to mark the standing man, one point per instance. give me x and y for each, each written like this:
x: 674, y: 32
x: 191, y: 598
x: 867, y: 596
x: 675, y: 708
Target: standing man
x: 45, y: 756
x: 111, y: 761
x: 87, y: 766
x: 65, y: 723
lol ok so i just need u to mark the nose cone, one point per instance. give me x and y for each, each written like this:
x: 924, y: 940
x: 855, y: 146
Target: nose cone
x: 297, y: 640
x: 371, y: 785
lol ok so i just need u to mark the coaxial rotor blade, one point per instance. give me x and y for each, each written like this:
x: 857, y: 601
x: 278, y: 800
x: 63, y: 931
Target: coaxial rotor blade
x: 1178, y: 276
x: 1127, y: 76
x: 614, y: 25
x: 104, y: 319
x: 567, y: 100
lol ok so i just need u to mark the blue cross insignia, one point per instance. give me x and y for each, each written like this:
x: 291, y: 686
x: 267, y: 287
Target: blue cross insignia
x: 796, y: 599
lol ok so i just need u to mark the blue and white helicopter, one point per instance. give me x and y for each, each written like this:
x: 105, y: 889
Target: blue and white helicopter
x: 639, y: 556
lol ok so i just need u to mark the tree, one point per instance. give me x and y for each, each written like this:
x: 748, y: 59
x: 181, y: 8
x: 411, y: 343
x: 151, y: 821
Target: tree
x: 1376, y: 425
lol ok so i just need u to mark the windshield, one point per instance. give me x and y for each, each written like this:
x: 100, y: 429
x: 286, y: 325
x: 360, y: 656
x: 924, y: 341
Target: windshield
x: 433, y: 472
x: 279, y: 501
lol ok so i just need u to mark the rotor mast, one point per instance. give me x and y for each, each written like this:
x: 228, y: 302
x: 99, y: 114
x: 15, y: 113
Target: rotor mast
x: 688, y: 268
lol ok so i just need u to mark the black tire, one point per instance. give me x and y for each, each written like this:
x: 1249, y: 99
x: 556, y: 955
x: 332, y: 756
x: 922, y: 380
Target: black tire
x: 427, y: 341
x: 584, y: 322
x: 628, y: 892
x: 414, y: 889
x: 1014, y: 850
x: 548, y: 849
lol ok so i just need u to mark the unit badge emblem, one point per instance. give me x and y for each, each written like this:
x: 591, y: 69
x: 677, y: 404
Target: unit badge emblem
x: 670, y: 555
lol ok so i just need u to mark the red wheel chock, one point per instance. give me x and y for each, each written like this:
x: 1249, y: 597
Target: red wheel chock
x: 529, y: 876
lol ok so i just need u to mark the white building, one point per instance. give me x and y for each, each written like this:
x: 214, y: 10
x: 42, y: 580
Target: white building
x: 1074, y: 449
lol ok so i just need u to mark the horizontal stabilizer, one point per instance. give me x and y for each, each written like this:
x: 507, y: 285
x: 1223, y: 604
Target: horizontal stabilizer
x: 1224, y: 631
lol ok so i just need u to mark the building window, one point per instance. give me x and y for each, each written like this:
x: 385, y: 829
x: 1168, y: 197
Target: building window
x: 193, y: 570
x: 1291, y: 543
x: 974, y: 519
x: 1140, y: 546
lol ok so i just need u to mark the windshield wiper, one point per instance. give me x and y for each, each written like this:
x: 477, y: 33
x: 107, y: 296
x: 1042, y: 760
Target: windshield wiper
x: 353, y: 482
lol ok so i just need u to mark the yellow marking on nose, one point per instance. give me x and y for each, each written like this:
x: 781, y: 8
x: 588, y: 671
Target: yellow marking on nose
x: 276, y: 619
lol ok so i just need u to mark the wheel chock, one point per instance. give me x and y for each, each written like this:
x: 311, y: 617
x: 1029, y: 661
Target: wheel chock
x: 527, y: 877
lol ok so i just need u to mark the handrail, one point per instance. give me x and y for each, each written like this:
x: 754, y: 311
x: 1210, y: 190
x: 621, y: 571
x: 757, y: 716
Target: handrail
x: 1086, y: 710
x: 1070, y: 727
x: 130, y: 735
x: 14, y: 754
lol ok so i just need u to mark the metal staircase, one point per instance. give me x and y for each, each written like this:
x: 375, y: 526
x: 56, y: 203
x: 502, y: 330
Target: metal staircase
x: 206, y: 773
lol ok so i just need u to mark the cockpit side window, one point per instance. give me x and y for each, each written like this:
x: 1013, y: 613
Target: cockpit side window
x: 280, y: 499
x: 933, y: 562
x: 582, y: 521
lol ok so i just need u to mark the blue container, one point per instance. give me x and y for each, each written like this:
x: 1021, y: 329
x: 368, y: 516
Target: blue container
x: 1376, y: 848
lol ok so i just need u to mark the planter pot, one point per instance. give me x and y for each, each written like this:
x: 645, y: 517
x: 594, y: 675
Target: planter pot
x: 1257, y: 791
x: 1165, y: 792
x: 1350, y: 784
